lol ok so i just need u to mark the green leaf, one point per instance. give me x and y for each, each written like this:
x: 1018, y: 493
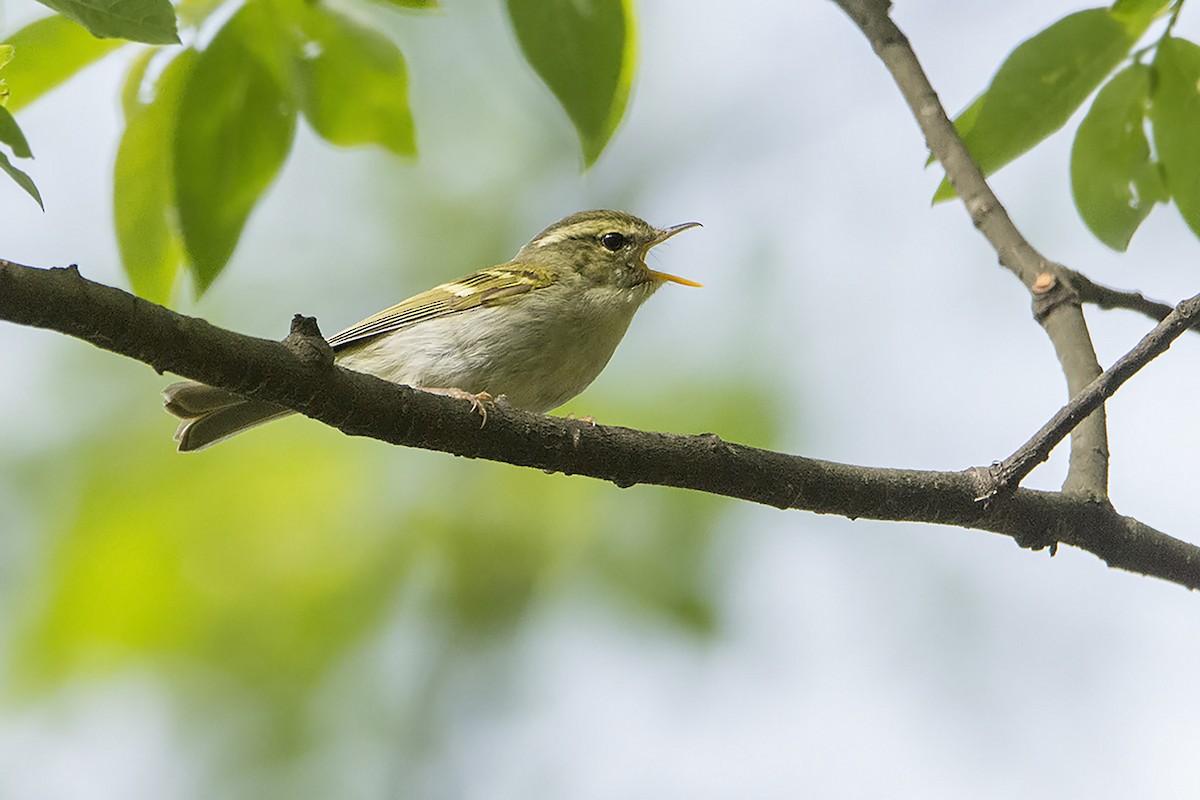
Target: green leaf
x: 1112, y: 177
x: 1138, y: 13
x: 233, y: 132
x: 6, y: 54
x: 23, y: 180
x: 10, y: 134
x: 584, y: 51
x: 143, y: 192
x: 1040, y: 85
x: 1175, y: 115
x: 150, y: 21
x: 352, y: 84
x: 268, y: 587
x: 48, y: 52
x: 418, y: 4
x: 194, y: 13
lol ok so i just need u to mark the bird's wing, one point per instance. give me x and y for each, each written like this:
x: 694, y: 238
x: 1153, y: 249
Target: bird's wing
x: 484, y: 288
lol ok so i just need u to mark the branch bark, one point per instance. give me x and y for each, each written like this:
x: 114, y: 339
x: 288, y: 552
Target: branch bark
x: 298, y: 376
x: 1013, y: 469
x: 1056, y: 304
x: 1107, y: 298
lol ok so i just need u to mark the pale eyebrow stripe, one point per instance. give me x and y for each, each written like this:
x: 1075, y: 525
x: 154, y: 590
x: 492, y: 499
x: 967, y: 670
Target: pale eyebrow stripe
x: 579, y: 229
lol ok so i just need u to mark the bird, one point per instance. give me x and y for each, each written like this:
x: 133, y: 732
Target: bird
x: 536, y: 330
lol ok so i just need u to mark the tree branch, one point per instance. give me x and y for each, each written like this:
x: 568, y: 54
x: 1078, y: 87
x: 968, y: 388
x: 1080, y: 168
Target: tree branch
x: 1013, y: 469
x: 299, y: 376
x: 1055, y: 303
x: 1107, y: 298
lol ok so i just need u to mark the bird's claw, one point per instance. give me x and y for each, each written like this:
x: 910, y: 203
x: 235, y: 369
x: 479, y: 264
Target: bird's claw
x: 476, y: 399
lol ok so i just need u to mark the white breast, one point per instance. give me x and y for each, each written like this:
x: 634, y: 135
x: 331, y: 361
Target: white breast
x: 538, y: 355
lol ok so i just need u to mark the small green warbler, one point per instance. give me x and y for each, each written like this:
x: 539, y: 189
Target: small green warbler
x: 538, y: 329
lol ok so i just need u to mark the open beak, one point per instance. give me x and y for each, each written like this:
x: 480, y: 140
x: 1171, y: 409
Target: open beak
x: 664, y: 234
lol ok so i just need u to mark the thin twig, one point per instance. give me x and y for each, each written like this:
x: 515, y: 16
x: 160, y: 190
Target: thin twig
x: 1010, y: 472
x: 1055, y: 304
x: 1108, y: 298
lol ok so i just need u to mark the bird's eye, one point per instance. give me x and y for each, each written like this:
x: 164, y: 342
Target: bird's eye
x: 613, y: 241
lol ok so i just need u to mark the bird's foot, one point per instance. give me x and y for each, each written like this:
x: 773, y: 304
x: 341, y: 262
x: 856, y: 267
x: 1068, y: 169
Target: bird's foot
x: 475, y: 399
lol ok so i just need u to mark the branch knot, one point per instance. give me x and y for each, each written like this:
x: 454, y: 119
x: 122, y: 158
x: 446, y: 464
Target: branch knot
x: 306, y: 343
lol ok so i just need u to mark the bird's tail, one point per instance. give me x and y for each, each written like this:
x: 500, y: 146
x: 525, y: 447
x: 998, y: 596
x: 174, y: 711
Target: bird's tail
x: 210, y: 415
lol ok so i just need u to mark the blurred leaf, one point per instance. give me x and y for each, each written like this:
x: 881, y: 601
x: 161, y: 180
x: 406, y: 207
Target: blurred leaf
x: 419, y: 4
x: 23, y: 180
x: 193, y: 13
x: 655, y: 553
x: 1040, y: 85
x: 150, y: 21
x: 143, y: 206
x: 584, y: 51
x: 1138, y: 13
x: 655, y: 562
x: 501, y: 552
x: 10, y: 134
x: 255, y: 580
x: 1175, y: 115
x: 233, y: 133
x: 1113, y: 179
x: 267, y: 34
x: 262, y: 563
x: 48, y: 52
x: 6, y: 54
x: 491, y: 558
x: 352, y: 84
x: 507, y: 539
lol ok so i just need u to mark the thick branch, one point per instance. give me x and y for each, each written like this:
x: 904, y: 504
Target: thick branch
x: 297, y: 376
x: 1055, y: 303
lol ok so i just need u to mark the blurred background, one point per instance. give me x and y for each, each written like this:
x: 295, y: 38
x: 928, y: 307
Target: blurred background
x: 300, y: 614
